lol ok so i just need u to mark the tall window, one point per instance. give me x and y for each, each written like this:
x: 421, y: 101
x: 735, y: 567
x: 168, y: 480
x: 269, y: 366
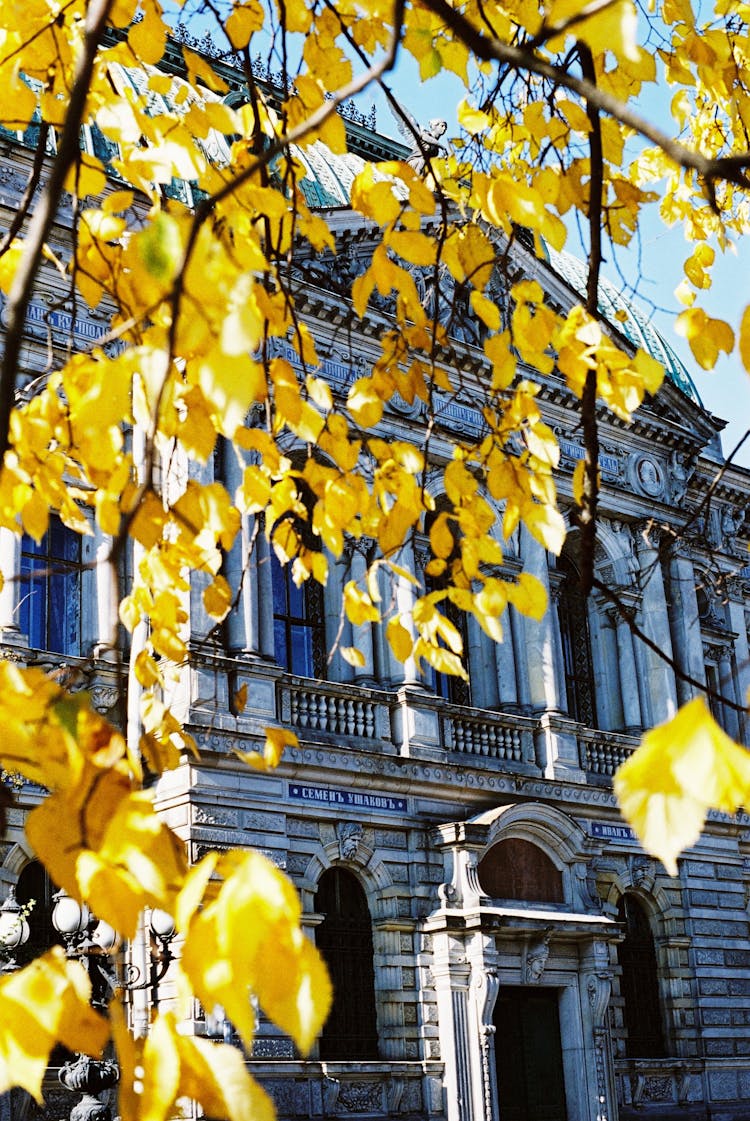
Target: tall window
x: 639, y: 983
x: 576, y: 645
x: 50, y: 590
x: 446, y: 685
x: 298, y: 623
x: 344, y: 938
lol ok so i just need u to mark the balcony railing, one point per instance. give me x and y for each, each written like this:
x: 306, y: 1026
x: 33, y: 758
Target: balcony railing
x: 326, y: 709
x: 489, y: 735
x: 601, y: 753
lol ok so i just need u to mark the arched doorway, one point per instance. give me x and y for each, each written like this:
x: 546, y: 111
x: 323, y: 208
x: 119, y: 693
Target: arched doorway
x: 344, y: 938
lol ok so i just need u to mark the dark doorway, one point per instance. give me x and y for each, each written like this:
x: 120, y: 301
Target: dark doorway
x: 344, y: 938
x: 528, y: 1054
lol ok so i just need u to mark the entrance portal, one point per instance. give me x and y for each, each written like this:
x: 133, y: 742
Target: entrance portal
x: 528, y: 1054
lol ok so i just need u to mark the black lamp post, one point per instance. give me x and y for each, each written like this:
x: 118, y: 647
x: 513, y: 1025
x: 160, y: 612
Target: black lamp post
x: 92, y: 942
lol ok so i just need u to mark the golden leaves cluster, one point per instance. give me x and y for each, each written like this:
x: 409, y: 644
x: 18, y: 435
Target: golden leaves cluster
x: 102, y: 840
x: 184, y: 235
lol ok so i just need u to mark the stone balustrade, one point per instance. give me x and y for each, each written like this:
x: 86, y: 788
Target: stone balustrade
x: 325, y: 709
x: 601, y: 753
x: 488, y: 734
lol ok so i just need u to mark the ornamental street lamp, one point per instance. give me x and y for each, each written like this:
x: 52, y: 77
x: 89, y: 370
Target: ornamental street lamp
x: 14, y: 930
x: 92, y: 942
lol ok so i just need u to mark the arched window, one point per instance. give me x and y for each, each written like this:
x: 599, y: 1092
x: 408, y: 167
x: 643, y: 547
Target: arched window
x: 50, y: 590
x: 518, y: 869
x: 298, y: 622
x: 344, y: 938
x: 35, y: 886
x: 639, y: 983
x: 576, y: 646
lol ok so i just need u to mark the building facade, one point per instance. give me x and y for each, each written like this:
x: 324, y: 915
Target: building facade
x: 500, y: 945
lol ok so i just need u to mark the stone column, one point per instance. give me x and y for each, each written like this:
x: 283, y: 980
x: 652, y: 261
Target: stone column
x: 727, y: 689
x: 517, y: 658
x: 653, y: 619
x: 627, y: 670
x: 451, y: 975
x: 107, y: 597
x: 480, y: 662
x: 10, y: 566
x: 362, y: 634
x: 684, y: 625
x: 404, y: 593
x: 338, y: 630
x: 737, y: 622
x: 505, y: 660
x: 542, y: 639
x: 241, y: 570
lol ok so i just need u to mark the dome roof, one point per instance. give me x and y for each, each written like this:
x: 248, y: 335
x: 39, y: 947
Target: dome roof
x: 631, y: 320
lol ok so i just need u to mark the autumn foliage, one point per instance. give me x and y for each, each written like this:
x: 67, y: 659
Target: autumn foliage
x: 195, y: 297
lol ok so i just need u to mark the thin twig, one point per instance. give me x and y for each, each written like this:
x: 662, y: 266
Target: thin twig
x: 587, y: 510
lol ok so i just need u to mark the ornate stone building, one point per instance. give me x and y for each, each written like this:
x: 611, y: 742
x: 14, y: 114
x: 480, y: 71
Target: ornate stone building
x: 499, y: 944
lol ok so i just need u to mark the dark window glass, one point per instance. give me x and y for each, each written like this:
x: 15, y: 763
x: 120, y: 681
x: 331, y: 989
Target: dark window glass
x: 298, y: 623
x: 344, y: 938
x: 518, y: 869
x: 35, y: 885
x: 50, y: 590
x: 639, y: 983
x: 576, y: 644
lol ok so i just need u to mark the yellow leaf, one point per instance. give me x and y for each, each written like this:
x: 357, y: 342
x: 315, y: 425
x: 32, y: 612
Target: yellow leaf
x: 682, y: 769
x: 364, y: 403
x: 707, y: 336
x: 486, y: 310
x: 745, y: 339
x: 148, y: 37
x: 168, y: 1065
x: 528, y: 596
x: 400, y: 640
x: 352, y: 655
x: 199, y: 70
x: 277, y: 739
x: 242, y: 22
x: 358, y: 605
x: 239, y: 700
x: 217, y: 598
x: 104, y: 842
x: 41, y: 1005
x: 246, y: 937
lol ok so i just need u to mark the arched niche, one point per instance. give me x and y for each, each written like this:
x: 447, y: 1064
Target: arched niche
x: 516, y: 868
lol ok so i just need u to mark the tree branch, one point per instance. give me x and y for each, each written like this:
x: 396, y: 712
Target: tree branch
x: 67, y: 153
x: 729, y: 168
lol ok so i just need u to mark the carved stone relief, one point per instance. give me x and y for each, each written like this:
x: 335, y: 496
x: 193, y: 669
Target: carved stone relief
x: 537, y: 956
